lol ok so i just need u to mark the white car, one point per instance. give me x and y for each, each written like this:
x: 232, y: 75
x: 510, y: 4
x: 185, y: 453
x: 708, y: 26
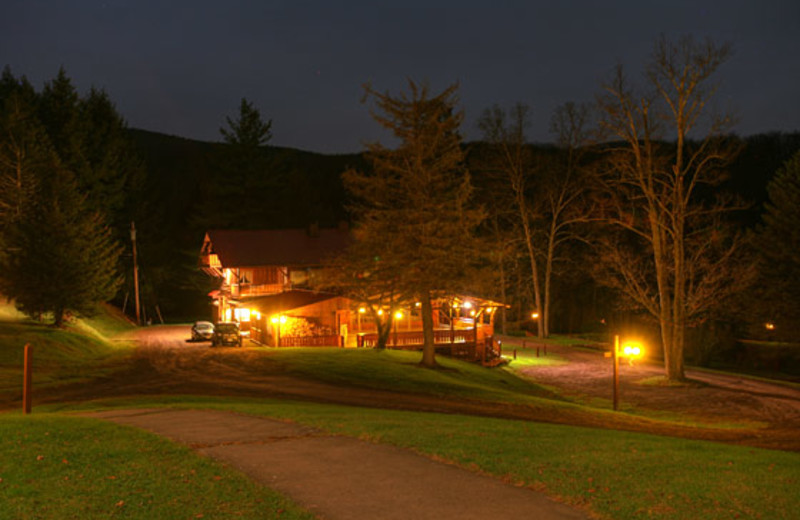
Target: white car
x: 202, y: 331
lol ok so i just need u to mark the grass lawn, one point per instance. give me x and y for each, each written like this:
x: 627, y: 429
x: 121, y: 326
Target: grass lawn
x: 613, y: 474
x: 59, y: 356
x: 57, y: 467
x: 399, y: 371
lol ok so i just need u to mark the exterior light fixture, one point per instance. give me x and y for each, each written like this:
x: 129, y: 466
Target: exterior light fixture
x: 467, y: 305
x: 380, y: 312
x: 632, y: 349
x: 398, y: 315
x: 769, y: 326
x: 362, y: 310
x: 535, y: 315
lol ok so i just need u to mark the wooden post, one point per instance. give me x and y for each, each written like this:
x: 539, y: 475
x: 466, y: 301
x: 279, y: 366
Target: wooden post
x: 537, y: 350
x: 515, y: 353
x: 615, y: 355
x: 135, y: 273
x: 545, y: 349
x: 27, y: 377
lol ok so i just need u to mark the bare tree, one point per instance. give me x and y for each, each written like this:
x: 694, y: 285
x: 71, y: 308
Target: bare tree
x: 545, y: 189
x: 673, y: 255
x: 513, y: 163
x: 561, y: 191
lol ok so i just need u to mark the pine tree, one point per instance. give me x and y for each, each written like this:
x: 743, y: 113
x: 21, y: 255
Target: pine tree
x: 24, y: 154
x: 412, y: 211
x: 61, y: 255
x: 777, y: 240
x: 89, y: 136
x: 246, y: 189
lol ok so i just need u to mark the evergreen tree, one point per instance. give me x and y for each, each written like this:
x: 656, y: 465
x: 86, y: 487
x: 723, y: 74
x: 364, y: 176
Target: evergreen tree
x: 61, y: 255
x: 90, y: 139
x: 24, y: 154
x: 246, y: 189
x: 412, y: 211
x: 777, y: 240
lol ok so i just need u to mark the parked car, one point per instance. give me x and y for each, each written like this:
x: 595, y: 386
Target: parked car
x: 202, y: 330
x: 227, y: 333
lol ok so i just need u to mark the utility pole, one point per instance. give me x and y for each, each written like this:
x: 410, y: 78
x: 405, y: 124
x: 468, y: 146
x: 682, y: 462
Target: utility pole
x: 135, y: 273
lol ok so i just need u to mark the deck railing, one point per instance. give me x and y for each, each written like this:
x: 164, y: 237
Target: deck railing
x: 460, y: 344
x: 310, y: 341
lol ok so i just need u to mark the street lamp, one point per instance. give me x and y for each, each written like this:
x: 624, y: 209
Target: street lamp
x: 632, y: 350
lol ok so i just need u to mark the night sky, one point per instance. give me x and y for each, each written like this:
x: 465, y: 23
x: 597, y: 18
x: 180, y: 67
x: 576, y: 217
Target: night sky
x: 179, y: 67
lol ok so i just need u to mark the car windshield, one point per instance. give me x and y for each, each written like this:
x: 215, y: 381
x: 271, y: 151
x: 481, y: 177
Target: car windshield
x: 203, y: 325
x: 227, y: 328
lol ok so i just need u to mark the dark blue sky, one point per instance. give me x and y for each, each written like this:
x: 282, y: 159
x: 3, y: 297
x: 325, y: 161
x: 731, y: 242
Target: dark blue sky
x: 181, y: 66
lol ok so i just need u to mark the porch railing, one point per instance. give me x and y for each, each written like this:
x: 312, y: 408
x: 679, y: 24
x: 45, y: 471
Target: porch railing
x: 460, y: 344
x: 310, y: 341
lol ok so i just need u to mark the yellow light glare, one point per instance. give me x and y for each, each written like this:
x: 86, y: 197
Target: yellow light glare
x: 380, y: 312
x: 467, y: 305
x: 632, y: 349
x: 398, y: 315
x: 472, y: 313
x: 535, y: 315
x: 362, y: 310
x: 769, y: 326
x: 283, y: 319
x: 274, y: 319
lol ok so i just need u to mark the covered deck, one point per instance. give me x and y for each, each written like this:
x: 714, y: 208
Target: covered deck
x: 463, y: 329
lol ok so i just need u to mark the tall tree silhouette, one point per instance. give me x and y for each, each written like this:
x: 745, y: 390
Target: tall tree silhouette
x: 413, y: 210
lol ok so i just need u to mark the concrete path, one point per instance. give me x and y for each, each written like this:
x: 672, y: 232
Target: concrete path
x: 343, y: 478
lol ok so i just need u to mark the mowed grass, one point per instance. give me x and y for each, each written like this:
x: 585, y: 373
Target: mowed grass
x: 400, y: 371
x: 57, y: 467
x: 58, y: 356
x: 614, y: 475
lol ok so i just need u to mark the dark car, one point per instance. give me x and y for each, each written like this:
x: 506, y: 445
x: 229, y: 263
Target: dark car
x: 227, y: 333
x: 202, y: 330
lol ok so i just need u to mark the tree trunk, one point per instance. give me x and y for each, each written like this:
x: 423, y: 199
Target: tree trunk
x: 548, y: 275
x: 428, y: 347
x: 58, y: 317
x: 537, y: 293
x: 383, y: 328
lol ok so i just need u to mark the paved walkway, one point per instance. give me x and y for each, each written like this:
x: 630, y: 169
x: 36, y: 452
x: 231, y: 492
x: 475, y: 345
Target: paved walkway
x: 343, y: 478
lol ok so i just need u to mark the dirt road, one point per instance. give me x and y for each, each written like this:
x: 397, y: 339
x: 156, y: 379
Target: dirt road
x: 167, y: 363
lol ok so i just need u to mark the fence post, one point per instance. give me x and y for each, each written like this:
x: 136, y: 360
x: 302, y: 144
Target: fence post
x: 26, y: 389
x: 537, y: 350
x: 515, y: 353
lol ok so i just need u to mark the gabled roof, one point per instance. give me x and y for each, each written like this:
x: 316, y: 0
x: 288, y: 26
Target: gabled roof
x: 277, y: 247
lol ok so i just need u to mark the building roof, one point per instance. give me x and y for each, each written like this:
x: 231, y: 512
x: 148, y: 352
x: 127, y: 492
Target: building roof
x: 276, y: 247
x: 286, y: 301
